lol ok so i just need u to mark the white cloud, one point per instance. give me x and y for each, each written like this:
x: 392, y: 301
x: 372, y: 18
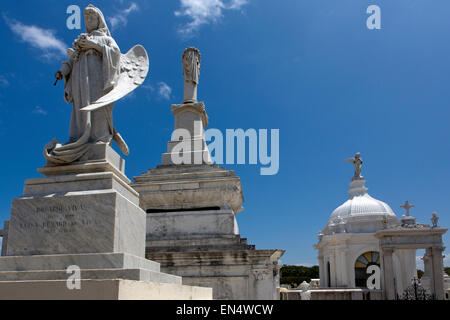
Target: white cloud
x: 39, y: 38
x: 121, y: 17
x: 419, y: 261
x: 202, y: 12
x: 164, y: 90
x: 161, y: 90
x: 3, y: 81
x: 39, y: 110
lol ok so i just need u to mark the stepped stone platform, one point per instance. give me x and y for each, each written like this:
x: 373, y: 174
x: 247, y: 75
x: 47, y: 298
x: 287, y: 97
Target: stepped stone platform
x: 86, y: 215
x: 192, y: 231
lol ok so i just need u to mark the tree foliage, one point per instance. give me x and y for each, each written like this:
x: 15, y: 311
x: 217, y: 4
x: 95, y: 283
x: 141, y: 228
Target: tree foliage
x: 294, y: 275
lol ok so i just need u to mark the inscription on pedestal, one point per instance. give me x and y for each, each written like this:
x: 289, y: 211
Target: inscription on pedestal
x: 60, y: 219
x: 68, y: 224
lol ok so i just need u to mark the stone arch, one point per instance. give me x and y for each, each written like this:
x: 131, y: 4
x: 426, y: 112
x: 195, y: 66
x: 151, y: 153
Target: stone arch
x: 361, y: 265
x: 352, y: 259
x: 359, y: 252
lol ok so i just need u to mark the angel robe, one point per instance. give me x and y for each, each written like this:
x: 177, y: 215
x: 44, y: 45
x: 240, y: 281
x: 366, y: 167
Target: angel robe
x: 89, y: 75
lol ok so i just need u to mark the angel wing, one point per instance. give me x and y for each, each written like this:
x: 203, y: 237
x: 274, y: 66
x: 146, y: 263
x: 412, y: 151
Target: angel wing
x: 133, y: 71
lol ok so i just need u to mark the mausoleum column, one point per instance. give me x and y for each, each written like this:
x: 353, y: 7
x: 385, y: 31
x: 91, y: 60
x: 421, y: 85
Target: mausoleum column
x: 388, y: 273
x: 332, y: 274
x: 427, y: 263
x: 438, y: 275
x: 322, y: 271
x: 345, y: 274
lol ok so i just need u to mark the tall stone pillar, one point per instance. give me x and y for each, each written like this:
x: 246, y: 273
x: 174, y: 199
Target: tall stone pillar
x: 427, y: 263
x: 388, y: 273
x: 332, y: 274
x: 188, y: 144
x: 322, y: 271
x: 438, y: 274
x: 344, y: 282
x: 426, y: 278
x: 191, y: 208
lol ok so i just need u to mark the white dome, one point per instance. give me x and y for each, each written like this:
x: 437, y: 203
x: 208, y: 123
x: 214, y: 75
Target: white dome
x: 360, y: 213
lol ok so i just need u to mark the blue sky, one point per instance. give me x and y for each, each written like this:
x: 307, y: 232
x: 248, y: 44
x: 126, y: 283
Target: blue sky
x: 309, y: 68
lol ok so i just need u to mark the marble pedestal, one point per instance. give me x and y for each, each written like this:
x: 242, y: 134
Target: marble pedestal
x: 191, y: 118
x: 192, y: 231
x: 85, y: 215
x: 189, y: 187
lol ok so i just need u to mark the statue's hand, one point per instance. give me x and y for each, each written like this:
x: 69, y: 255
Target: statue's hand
x: 89, y: 44
x: 59, y: 75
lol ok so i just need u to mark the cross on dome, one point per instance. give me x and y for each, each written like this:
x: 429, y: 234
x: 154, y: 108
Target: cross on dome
x: 407, y: 206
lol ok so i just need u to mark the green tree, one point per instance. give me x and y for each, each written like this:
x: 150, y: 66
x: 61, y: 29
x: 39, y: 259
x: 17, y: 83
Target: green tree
x: 294, y: 275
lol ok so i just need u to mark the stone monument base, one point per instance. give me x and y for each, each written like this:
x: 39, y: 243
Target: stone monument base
x: 192, y: 231
x: 232, y: 273
x: 205, y: 248
x: 189, y: 187
x: 84, y: 216
x: 110, y: 276
x: 116, y: 289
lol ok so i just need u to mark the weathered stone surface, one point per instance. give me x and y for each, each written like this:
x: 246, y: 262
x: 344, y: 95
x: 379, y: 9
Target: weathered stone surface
x: 233, y: 274
x: 91, y: 220
x: 99, y: 158
x: 192, y: 119
x: 334, y: 294
x: 101, y: 290
x: 197, y: 243
x: 84, y: 261
x: 178, y: 224
x: 85, y: 223
x: 189, y: 186
x: 101, y: 274
x: 70, y: 213
x: 78, y: 184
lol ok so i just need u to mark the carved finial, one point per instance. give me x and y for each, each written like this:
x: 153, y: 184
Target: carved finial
x: 407, y: 206
x: 320, y: 236
x: 191, y: 72
x: 357, y: 163
x: 434, y: 219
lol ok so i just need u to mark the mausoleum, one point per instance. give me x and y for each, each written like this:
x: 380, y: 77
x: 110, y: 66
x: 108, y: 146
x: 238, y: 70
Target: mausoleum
x: 350, y: 254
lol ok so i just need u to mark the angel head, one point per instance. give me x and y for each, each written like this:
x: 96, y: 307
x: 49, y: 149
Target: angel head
x: 94, y: 20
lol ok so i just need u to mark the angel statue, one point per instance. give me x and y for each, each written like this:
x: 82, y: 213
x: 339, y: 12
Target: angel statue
x: 96, y: 75
x: 357, y: 163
